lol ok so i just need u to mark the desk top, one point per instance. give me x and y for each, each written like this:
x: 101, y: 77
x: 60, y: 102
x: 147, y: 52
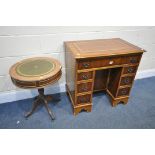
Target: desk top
x: 101, y: 47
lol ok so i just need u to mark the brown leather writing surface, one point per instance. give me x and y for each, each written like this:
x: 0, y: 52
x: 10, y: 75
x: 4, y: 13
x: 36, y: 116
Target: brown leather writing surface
x: 102, y: 47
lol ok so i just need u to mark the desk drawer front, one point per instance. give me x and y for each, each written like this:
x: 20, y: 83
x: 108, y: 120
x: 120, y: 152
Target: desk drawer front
x: 84, y: 87
x: 133, y: 59
x: 130, y: 69
x: 85, y: 76
x: 127, y: 80
x: 84, y: 99
x: 108, y: 61
x: 96, y: 63
x: 123, y: 92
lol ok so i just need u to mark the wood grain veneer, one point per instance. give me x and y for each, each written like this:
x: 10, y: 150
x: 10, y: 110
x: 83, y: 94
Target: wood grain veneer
x: 102, y: 64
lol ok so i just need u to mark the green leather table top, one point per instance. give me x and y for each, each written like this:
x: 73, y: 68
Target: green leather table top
x: 35, y: 67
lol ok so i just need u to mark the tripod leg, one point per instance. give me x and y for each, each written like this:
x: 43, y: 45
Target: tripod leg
x: 48, y: 109
x: 34, y: 106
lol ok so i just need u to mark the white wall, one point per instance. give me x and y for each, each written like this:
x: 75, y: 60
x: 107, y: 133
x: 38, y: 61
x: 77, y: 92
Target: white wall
x: 17, y: 43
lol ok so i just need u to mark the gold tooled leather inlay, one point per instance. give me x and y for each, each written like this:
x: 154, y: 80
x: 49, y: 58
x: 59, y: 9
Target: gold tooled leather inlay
x: 36, y: 67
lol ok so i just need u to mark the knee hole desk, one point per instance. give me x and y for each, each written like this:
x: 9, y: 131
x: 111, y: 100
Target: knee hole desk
x: 97, y: 65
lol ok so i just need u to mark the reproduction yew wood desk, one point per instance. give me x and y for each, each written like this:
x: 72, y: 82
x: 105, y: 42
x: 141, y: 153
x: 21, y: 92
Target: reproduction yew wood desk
x: 97, y: 65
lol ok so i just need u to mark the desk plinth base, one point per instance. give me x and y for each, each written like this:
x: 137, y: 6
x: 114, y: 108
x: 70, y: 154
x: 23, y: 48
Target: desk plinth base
x: 116, y: 101
x: 119, y: 100
x: 78, y: 109
x: 88, y: 107
x: 41, y: 98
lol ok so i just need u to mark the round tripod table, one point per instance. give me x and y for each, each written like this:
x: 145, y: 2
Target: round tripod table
x: 37, y: 72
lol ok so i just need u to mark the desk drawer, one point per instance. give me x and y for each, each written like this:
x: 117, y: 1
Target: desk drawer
x: 99, y: 62
x: 127, y: 80
x: 108, y: 61
x: 85, y: 76
x: 84, y: 99
x: 130, y: 69
x: 132, y: 59
x: 84, y: 87
x: 123, y: 92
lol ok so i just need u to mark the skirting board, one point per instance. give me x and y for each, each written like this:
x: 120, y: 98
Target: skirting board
x: 11, y: 96
x: 145, y: 74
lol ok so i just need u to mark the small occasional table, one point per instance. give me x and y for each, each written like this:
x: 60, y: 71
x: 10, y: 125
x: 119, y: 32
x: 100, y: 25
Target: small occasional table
x: 37, y: 72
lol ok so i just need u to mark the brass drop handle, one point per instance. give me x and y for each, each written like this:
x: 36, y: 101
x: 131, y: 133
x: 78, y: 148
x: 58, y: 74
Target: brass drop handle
x: 133, y: 60
x: 82, y: 99
x: 130, y: 70
x: 84, y: 88
x: 84, y: 77
x: 126, y: 81
x: 86, y: 65
x: 123, y: 92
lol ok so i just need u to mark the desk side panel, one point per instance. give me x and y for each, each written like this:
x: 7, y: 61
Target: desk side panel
x: 70, y: 72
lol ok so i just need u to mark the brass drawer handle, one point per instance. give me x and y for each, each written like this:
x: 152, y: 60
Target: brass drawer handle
x: 123, y: 92
x: 83, y: 99
x: 84, y: 88
x: 133, y: 60
x: 126, y: 81
x: 85, y: 77
x: 86, y: 65
x: 130, y: 70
